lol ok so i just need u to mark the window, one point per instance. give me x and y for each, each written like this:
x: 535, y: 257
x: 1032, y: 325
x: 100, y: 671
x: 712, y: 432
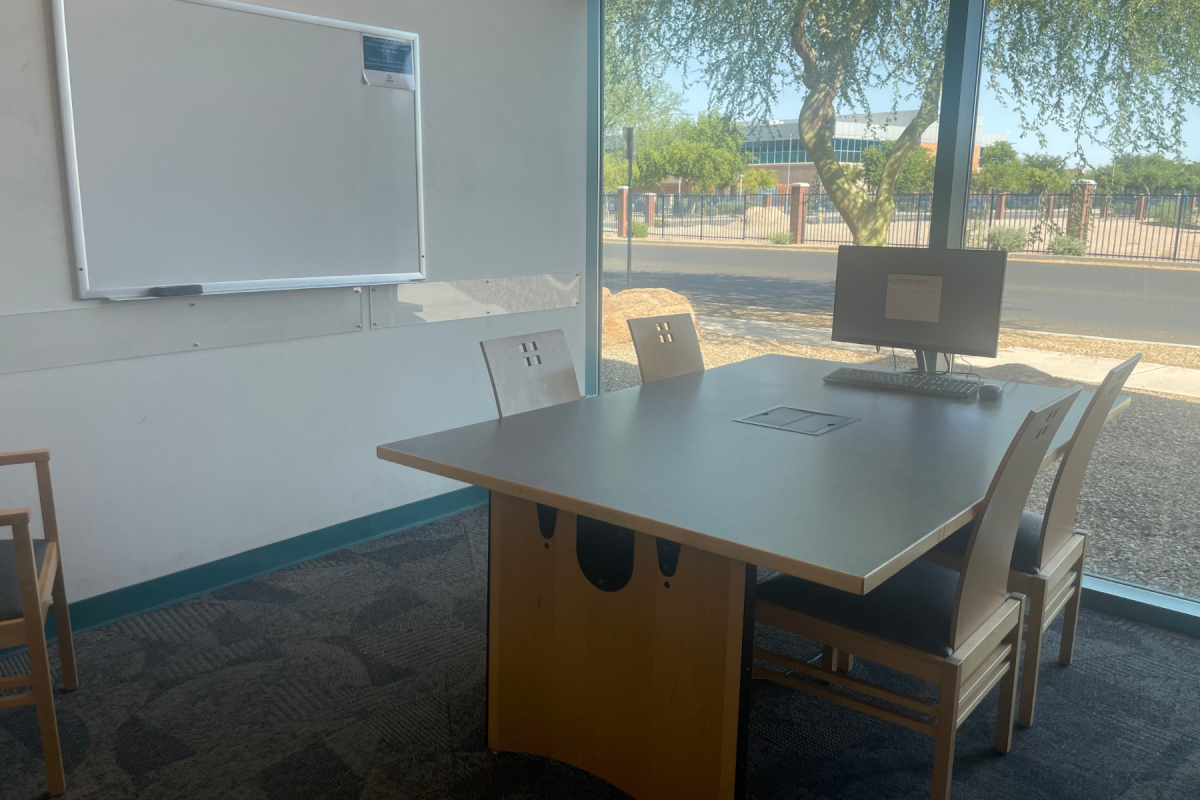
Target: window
x: 1101, y: 245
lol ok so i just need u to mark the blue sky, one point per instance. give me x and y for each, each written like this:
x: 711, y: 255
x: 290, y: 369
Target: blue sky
x: 996, y: 119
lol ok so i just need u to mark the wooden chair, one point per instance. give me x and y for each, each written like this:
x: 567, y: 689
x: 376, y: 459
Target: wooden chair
x: 530, y: 372
x: 31, y: 583
x: 960, y: 630
x: 1047, y: 561
x: 666, y: 346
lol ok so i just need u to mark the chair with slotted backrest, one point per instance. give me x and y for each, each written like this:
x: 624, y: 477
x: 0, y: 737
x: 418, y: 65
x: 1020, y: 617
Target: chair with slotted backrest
x: 960, y: 630
x: 530, y: 372
x: 31, y: 584
x: 1048, y: 558
x: 535, y: 371
x: 666, y: 346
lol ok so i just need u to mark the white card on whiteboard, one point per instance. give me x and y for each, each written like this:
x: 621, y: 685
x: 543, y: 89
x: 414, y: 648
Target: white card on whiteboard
x: 914, y: 297
x: 387, y: 62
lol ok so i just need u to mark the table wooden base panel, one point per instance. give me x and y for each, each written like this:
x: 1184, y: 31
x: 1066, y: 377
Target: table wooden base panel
x: 639, y: 686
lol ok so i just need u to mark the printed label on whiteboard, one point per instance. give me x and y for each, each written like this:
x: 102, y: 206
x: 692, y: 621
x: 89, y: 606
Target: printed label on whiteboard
x: 914, y: 297
x: 387, y: 62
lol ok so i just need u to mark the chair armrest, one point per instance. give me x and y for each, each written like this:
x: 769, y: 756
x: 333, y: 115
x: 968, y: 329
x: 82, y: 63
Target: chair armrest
x: 12, y: 517
x: 24, y: 457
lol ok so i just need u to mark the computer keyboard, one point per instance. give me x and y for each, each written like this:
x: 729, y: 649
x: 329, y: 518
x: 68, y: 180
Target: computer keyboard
x: 911, y: 382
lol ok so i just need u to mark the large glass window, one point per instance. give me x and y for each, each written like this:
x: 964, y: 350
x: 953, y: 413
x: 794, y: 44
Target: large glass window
x: 835, y: 156
x: 1084, y: 169
x: 1095, y: 201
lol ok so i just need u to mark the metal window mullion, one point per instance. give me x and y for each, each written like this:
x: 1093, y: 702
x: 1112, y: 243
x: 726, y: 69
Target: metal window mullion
x: 593, y: 185
x: 956, y: 125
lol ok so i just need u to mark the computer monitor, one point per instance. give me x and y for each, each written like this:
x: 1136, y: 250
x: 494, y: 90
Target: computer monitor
x: 919, y: 299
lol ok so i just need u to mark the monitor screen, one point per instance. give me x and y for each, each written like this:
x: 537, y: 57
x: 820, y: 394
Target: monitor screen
x: 920, y: 299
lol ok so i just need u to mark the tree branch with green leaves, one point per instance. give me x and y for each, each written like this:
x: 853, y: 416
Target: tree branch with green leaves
x: 1120, y: 73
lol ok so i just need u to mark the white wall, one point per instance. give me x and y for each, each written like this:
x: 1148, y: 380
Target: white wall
x: 169, y: 461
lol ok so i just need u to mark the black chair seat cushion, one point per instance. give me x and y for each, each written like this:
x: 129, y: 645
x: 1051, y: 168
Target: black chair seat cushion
x: 913, y: 607
x: 10, y: 591
x: 1025, y: 552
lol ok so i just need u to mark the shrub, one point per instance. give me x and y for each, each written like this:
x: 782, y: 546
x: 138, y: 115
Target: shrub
x: 639, y: 229
x: 1067, y: 246
x: 781, y: 238
x: 1010, y: 240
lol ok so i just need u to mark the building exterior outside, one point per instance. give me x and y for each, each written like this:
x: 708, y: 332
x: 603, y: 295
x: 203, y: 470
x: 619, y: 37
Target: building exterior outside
x: 777, y: 144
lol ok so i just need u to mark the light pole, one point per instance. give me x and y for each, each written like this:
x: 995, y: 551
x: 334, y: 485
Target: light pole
x: 629, y: 154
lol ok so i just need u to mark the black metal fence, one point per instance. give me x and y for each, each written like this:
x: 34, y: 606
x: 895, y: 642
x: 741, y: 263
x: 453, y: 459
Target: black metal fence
x: 1156, y: 227
x: 1130, y: 226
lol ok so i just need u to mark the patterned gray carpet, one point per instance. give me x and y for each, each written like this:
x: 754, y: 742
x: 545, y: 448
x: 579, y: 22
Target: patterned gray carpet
x: 361, y: 675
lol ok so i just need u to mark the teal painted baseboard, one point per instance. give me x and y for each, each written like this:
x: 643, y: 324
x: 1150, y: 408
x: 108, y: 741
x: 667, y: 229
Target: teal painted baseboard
x: 1115, y: 597
x: 104, y: 609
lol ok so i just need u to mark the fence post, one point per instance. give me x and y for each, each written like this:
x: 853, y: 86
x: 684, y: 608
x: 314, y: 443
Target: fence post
x: 1104, y: 206
x: 1079, y: 208
x: 917, y: 226
x: 650, y: 198
x: 622, y: 210
x: 1178, y: 223
x: 1140, y: 209
x: 745, y: 214
x: 799, y: 213
x: 1003, y: 205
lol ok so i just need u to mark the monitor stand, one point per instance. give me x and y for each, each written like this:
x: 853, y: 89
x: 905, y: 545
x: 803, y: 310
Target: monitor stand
x: 927, y: 360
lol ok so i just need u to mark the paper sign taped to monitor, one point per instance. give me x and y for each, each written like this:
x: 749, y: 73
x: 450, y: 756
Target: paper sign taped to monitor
x: 388, y: 62
x: 914, y: 297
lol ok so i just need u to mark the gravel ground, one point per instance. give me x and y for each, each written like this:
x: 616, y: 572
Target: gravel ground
x: 1141, y: 498
x: 1171, y: 355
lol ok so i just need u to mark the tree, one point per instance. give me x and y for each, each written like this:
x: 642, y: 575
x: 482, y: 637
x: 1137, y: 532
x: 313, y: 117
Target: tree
x: 998, y: 154
x: 1010, y: 176
x: 641, y: 106
x: 1059, y: 63
x: 757, y: 180
x: 916, y: 171
x: 706, y: 152
x: 1149, y: 174
x: 616, y: 171
x: 1000, y: 170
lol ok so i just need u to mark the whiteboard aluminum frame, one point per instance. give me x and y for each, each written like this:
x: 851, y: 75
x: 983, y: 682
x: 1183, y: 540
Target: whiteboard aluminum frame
x: 75, y: 198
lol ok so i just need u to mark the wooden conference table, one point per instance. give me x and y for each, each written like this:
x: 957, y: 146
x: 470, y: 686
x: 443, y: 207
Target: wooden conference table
x: 629, y: 657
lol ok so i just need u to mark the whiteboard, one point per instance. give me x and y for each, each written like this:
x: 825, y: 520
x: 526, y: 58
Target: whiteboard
x: 215, y: 146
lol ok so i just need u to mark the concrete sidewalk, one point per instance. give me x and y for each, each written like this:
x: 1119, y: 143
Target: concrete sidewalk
x: 1089, y: 369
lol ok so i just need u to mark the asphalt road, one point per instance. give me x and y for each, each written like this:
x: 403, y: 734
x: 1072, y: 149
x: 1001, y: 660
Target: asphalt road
x: 1156, y: 305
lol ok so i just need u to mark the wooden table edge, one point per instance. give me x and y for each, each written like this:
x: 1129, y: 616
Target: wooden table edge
x: 845, y: 581
x: 702, y: 541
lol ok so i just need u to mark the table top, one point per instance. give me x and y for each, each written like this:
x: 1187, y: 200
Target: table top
x: 848, y: 508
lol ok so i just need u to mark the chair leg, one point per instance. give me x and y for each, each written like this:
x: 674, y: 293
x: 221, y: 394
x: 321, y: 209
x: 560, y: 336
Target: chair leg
x: 1008, y: 694
x: 834, y: 660
x: 62, y: 624
x: 43, y: 692
x: 1033, y: 652
x: 947, y: 733
x: 1066, y: 649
